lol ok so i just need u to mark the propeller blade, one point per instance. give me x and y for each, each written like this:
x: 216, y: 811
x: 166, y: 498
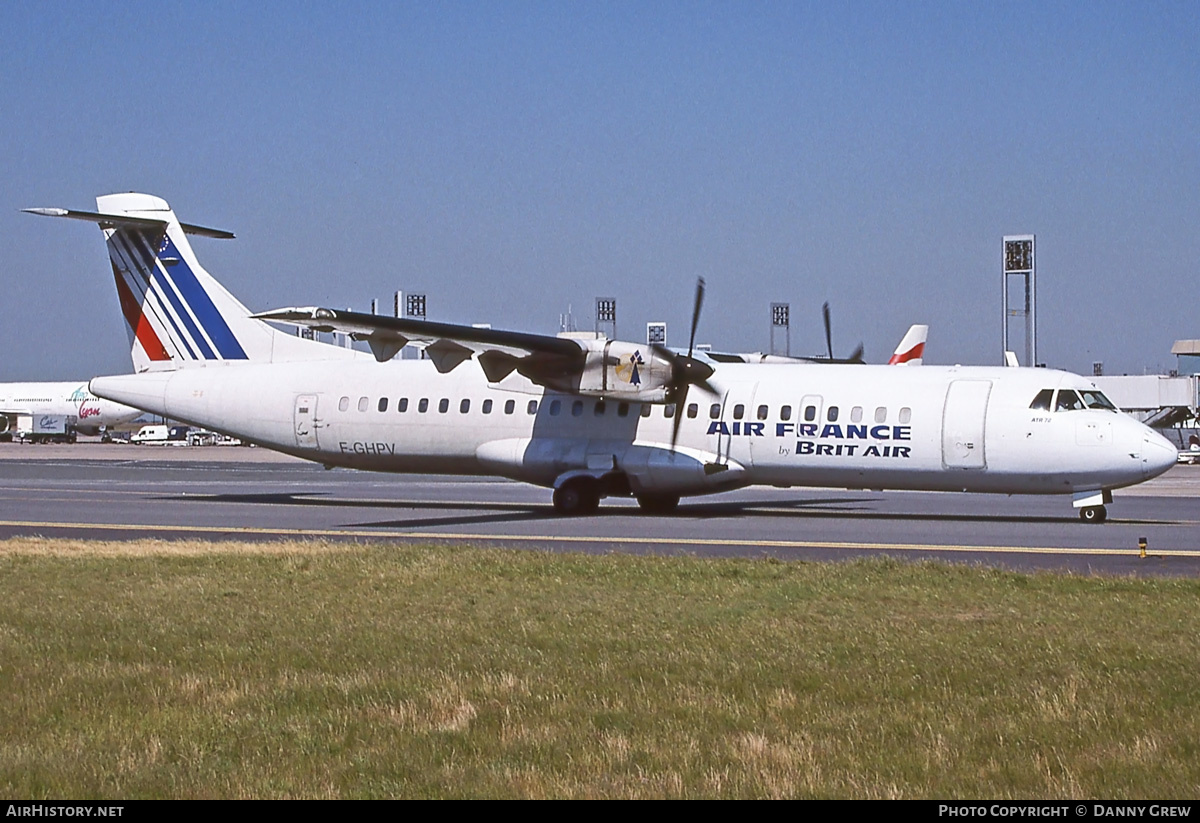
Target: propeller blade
x: 685, y: 370
x: 828, y: 331
x: 696, y: 313
x: 680, y: 405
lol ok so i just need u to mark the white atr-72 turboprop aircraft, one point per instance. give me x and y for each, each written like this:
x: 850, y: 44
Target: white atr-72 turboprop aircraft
x: 591, y: 418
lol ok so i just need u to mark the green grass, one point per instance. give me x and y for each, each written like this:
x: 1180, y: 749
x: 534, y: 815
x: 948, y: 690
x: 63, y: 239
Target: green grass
x: 332, y: 670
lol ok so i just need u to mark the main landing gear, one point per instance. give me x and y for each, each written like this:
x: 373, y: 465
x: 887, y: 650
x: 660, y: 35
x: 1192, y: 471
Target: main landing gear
x: 578, y: 496
x: 581, y: 496
x: 1093, y: 514
x: 658, y: 503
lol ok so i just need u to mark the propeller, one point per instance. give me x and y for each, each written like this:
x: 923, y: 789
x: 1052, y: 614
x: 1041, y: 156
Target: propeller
x: 855, y: 357
x: 686, y: 370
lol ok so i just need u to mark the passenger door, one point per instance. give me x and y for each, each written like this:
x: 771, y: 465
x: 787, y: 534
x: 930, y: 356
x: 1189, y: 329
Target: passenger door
x: 963, y: 424
x: 305, y: 419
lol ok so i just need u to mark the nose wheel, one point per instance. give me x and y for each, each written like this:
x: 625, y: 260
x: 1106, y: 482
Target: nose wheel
x: 1093, y: 514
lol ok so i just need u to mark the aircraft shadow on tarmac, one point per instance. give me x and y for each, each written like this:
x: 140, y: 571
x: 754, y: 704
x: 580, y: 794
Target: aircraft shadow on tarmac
x: 480, y: 513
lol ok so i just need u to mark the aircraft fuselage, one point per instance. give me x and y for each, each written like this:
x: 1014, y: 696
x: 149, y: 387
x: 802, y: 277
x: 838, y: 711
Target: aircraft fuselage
x: 933, y: 428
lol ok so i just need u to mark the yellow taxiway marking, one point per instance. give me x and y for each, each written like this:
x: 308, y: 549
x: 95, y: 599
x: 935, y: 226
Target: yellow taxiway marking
x: 612, y: 540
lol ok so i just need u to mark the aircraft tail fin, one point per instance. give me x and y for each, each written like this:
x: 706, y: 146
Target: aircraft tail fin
x: 177, y: 314
x: 911, y: 351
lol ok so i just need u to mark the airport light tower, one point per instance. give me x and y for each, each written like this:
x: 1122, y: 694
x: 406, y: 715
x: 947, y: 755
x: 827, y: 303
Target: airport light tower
x: 606, y: 315
x: 781, y: 319
x: 1019, y: 260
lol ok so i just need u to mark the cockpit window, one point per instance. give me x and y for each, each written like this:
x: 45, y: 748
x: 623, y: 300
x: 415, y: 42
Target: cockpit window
x: 1042, y: 401
x: 1068, y: 400
x: 1096, y: 400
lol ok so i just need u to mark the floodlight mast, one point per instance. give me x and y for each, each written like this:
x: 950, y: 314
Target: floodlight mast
x: 1019, y: 259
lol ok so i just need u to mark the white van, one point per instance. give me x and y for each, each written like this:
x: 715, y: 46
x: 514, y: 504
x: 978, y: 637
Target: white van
x: 151, y: 435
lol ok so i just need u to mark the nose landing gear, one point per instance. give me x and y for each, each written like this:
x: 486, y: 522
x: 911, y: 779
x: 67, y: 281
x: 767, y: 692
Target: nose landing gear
x: 1091, y: 505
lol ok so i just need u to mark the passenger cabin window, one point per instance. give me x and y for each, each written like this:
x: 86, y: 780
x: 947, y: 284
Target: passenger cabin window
x: 645, y: 410
x: 555, y: 408
x: 599, y: 409
x: 692, y: 410
x: 362, y: 403
x: 402, y: 405
x: 423, y: 406
x: 1068, y: 400
x: 831, y: 414
x: 532, y: 407
x: 881, y: 414
x: 510, y: 406
x: 577, y: 408
x: 762, y: 412
x: 739, y: 411
x: 856, y: 414
x: 669, y: 411
x: 487, y: 406
x: 444, y: 405
x: 622, y: 409
x: 383, y: 404
x: 714, y: 411
x: 785, y: 413
x: 344, y: 404
x: 464, y: 406
x: 810, y: 413
x: 1043, y: 400
x: 905, y: 414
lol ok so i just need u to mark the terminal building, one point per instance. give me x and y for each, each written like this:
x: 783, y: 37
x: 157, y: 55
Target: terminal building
x: 1168, y: 402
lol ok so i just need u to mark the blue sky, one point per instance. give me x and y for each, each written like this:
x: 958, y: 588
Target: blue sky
x: 509, y: 159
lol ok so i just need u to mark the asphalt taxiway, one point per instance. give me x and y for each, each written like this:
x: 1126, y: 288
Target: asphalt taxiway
x: 123, y: 492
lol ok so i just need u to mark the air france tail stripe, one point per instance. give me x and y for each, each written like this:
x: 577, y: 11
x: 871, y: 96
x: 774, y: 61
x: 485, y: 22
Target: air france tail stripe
x: 206, y: 313
x: 139, y: 250
x: 139, y: 324
x: 166, y: 287
x: 136, y: 278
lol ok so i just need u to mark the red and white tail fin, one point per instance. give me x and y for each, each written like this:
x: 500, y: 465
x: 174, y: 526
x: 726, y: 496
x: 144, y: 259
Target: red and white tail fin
x: 911, y: 351
x: 178, y: 315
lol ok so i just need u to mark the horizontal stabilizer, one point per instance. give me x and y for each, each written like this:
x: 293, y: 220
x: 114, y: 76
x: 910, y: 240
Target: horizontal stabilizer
x: 117, y: 220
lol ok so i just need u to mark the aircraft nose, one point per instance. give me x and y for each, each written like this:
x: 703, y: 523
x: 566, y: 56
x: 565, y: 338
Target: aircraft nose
x: 1158, y: 454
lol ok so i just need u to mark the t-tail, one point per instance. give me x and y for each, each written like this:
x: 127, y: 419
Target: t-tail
x: 911, y: 351
x: 176, y: 313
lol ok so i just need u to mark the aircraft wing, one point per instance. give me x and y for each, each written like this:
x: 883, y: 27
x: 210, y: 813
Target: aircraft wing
x: 539, y: 357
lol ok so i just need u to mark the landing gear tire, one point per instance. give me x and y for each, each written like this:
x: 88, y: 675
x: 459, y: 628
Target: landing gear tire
x: 658, y: 503
x: 1093, y: 514
x: 576, y: 498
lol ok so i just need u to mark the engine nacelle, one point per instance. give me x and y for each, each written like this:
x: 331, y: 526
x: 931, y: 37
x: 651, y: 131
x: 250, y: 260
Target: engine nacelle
x: 624, y: 371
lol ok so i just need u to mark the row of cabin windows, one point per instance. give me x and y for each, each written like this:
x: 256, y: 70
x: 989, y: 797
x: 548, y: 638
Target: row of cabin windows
x: 809, y: 413
x: 464, y: 406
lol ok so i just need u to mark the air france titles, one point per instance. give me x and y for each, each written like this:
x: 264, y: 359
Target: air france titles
x: 828, y: 440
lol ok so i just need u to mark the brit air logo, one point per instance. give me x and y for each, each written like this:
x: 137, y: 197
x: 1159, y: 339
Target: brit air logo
x: 627, y: 369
